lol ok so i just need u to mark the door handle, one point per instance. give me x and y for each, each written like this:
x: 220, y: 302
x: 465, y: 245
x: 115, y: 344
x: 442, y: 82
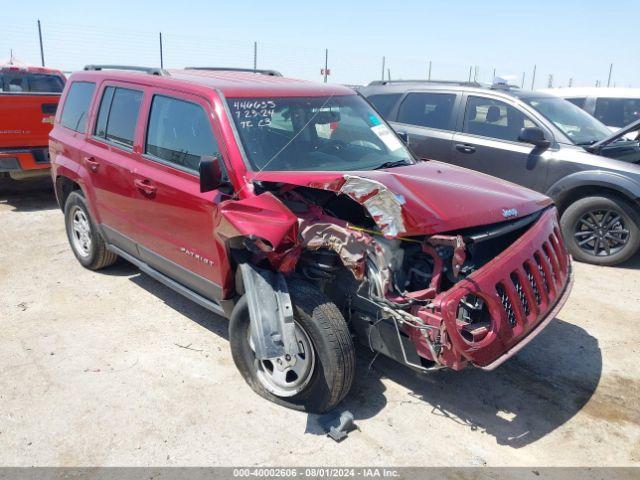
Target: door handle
x: 465, y: 148
x: 92, y: 163
x: 145, y: 187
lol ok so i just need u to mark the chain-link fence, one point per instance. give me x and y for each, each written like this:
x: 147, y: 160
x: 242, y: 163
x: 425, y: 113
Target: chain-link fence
x: 69, y: 47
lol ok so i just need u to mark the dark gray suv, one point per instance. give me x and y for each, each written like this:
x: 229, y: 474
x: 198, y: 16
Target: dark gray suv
x: 533, y: 139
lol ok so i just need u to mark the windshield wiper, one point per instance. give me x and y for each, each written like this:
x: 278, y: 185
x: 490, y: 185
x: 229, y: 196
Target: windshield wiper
x: 395, y: 163
x: 586, y: 144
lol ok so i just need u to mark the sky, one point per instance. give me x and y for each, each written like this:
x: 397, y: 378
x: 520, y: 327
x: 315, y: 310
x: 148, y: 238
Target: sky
x: 573, y: 41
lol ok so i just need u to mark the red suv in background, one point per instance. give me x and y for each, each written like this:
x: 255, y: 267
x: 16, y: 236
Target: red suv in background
x: 294, y: 210
x: 28, y: 101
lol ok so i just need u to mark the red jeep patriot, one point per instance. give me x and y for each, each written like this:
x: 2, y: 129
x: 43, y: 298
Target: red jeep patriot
x: 294, y: 210
x: 28, y: 101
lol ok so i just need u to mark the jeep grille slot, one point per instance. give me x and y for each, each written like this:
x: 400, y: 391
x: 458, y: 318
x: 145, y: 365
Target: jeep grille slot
x: 558, y: 250
x: 521, y: 295
x: 533, y: 283
x: 551, y: 260
x: 536, y: 257
x: 506, y: 304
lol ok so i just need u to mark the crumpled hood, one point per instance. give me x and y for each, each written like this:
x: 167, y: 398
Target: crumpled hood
x: 425, y: 198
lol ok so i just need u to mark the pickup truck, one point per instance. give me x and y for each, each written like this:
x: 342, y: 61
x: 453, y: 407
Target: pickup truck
x: 28, y: 101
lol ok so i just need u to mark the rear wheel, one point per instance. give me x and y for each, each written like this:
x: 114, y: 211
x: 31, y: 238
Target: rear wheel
x: 85, y: 239
x: 602, y: 230
x: 320, y: 375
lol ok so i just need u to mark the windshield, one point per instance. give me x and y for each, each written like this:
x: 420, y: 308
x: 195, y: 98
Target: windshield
x: 575, y: 123
x: 24, y: 82
x: 315, y: 133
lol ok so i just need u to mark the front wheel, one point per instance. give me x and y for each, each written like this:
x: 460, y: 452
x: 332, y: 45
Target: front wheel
x: 602, y: 230
x: 320, y: 375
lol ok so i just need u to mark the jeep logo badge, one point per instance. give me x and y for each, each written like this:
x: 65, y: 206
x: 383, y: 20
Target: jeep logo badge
x: 508, y: 213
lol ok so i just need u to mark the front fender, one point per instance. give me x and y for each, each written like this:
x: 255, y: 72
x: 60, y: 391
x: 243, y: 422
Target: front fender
x: 263, y: 216
x: 623, y: 184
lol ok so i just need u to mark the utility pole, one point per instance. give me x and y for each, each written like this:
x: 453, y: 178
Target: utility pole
x: 326, y: 64
x: 523, y: 73
x: 255, y: 56
x: 161, y: 55
x: 570, y: 82
x: 429, y: 75
x: 610, y: 70
x: 470, y: 68
x: 533, y: 79
x: 550, y: 84
x: 382, y: 76
x: 41, y: 47
x: 388, y: 74
x: 494, y: 75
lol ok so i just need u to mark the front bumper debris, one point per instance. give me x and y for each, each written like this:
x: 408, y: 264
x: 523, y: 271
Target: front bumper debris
x: 518, y: 292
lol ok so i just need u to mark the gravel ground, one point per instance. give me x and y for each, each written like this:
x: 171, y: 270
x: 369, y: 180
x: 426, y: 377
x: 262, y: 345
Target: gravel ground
x: 114, y: 369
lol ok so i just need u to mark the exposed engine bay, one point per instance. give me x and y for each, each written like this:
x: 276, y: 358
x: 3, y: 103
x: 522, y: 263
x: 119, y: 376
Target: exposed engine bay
x: 350, y: 245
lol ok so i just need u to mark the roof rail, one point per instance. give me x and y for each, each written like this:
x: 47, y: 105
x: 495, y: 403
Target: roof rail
x: 501, y: 86
x: 434, y: 82
x: 149, y: 70
x: 272, y: 73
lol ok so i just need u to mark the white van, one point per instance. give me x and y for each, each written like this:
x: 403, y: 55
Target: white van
x: 615, y: 107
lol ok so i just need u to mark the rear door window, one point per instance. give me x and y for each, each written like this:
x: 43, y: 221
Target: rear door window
x: 494, y: 119
x: 179, y: 133
x: 433, y: 110
x: 617, y: 112
x: 24, y: 82
x: 384, y: 103
x: 76, y: 106
x: 118, y: 115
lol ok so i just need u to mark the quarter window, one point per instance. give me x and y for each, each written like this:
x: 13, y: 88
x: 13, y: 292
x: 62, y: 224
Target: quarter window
x: 495, y: 119
x: 179, y: 132
x: 578, y: 102
x: 76, y: 106
x: 431, y: 110
x: 24, y: 82
x: 118, y: 115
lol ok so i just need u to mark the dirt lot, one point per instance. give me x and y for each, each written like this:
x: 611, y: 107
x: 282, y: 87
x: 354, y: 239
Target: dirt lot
x: 94, y: 371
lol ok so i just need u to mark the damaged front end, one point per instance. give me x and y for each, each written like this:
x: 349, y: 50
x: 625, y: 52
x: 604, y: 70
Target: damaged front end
x: 429, y: 299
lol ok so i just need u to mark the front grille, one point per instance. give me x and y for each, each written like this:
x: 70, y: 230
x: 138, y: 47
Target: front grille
x: 521, y: 287
x: 41, y: 155
x: 537, y: 282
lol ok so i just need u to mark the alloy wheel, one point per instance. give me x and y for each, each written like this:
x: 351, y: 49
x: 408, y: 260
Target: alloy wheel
x: 601, y: 232
x: 81, y: 232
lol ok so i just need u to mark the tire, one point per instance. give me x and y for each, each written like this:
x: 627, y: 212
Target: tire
x: 578, y: 219
x: 334, y: 355
x: 93, y: 254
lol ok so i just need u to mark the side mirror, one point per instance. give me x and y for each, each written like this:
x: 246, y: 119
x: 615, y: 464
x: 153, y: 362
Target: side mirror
x: 403, y: 136
x: 212, y: 175
x: 534, y: 136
